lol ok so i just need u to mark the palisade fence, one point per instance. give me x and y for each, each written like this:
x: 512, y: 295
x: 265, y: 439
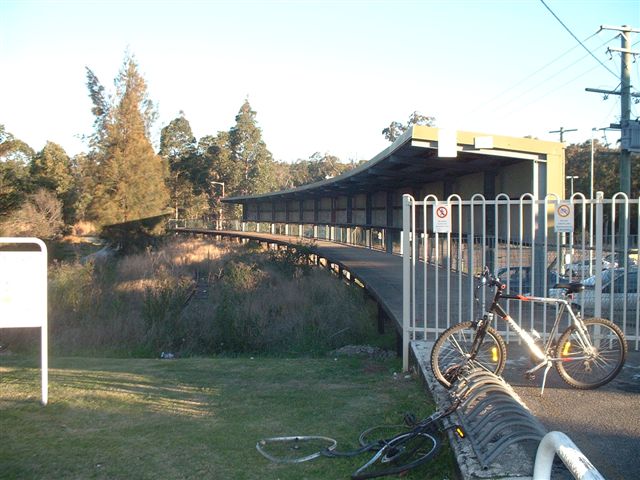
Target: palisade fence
x: 448, y: 242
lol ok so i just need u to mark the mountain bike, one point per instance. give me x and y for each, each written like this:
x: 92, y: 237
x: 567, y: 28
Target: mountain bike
x: 416, y: 443
x: 588, y: 354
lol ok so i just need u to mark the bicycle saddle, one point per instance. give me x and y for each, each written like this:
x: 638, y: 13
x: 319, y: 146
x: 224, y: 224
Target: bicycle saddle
x: 573, y: 287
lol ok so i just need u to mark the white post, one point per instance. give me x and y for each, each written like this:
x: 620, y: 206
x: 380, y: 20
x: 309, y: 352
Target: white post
x: 406, y: 279
x: 599, y: 228
x: 558, y: 443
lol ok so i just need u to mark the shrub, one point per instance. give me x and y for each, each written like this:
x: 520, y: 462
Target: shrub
x: 248, y: 302
x: 40, y: 216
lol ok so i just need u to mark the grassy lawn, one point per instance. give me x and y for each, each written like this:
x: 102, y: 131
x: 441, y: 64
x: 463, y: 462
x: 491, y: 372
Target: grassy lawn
x: 195, y: 417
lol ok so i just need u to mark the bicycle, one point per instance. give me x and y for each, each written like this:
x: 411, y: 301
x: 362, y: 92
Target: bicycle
x: 393, y: 455
x: 587, y: 355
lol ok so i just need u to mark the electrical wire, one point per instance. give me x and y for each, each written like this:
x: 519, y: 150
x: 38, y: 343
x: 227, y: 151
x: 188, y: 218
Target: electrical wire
x: 539, y: 84
x: 577, y: 40
x: 549, y: 92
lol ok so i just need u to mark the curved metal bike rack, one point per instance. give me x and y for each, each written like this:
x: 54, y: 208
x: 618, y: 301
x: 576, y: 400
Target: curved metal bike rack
x: 493, y: 416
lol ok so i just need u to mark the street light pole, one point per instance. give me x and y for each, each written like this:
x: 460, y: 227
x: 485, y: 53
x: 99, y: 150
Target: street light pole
x: 572, y: 178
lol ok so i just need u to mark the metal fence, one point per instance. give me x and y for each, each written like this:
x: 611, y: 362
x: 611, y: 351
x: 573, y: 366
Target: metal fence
x: 531, y: 244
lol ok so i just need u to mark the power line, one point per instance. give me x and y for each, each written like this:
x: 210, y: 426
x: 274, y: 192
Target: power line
x: 577, y: 40
x: 508, y: 101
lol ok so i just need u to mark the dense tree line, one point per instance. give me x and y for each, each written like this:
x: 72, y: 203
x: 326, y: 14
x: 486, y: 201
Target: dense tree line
x: 121, y: 178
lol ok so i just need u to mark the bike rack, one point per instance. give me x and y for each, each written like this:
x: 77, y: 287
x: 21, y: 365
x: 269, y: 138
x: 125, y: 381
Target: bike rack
x: 492, y: 415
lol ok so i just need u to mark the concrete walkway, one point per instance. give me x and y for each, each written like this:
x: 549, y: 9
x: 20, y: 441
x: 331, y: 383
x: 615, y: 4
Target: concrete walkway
x: 604, y: 423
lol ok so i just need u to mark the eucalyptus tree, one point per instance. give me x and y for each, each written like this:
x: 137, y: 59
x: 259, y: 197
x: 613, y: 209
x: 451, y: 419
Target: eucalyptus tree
x: 51, y: 169
x: 130, y: 177
x: 179, y: 148
x: 15, y: 181
x: 252, y: 161
x: 396, y: 129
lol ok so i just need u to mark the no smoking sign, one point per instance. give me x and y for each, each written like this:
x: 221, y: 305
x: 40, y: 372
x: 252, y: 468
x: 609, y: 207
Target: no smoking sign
x: 563, y: 217
x: 442, y: 219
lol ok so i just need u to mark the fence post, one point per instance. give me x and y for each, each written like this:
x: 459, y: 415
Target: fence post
x: 599, y: 231
x: 407, y: 288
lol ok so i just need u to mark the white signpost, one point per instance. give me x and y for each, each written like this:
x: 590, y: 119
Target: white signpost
x: 23, y: 293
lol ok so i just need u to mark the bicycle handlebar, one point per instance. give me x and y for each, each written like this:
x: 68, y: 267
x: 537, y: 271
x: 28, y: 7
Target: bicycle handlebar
x: 487, y: 278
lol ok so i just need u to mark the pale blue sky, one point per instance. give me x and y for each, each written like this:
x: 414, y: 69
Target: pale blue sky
x: 323, y: 76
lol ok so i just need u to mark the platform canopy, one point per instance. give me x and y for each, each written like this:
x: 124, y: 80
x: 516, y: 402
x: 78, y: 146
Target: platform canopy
x: 415, y: 160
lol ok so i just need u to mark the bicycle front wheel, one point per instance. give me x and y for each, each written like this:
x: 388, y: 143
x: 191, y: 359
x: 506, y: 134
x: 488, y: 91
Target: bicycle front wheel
x: 453, y: 350
x: 402, y: 453
x: 586, y: 366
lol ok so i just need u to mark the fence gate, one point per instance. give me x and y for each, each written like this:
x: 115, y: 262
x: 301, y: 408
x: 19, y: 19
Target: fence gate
x: 530, y: 244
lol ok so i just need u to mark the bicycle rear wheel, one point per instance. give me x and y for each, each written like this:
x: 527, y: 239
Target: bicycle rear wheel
x: 585, y: 367
x: 377, y: 434
x: 453, y: 349
x: 402, y: 453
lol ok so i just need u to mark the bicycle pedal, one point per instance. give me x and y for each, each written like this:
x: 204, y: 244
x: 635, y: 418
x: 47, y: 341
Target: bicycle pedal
x: 530, y: 376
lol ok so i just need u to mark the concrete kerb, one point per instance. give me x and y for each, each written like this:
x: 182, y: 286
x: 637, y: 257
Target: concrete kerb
x: 515, y: 463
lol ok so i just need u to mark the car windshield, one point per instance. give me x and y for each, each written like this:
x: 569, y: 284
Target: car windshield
x: 591, y: 281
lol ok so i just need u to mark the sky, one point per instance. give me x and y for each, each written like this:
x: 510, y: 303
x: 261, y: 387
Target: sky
x: 323, y: 75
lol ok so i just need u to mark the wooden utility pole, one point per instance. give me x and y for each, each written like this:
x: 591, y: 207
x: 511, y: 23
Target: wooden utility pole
x: 625, y: 99
x: 562, y: 131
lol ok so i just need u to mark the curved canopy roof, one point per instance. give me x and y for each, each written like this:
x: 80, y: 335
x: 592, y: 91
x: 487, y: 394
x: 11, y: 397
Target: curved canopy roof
x: 413, y: 160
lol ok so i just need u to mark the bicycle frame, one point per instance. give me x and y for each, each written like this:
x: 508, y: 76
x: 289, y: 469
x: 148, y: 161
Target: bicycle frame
x: 544, y: 355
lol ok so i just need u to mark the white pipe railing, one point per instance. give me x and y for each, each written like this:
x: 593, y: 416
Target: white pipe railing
x: 557, y: 443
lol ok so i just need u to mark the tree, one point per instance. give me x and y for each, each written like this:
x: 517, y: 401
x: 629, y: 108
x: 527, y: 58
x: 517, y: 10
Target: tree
x: 188, y: 174
x: 15, y: 182
x: 396, y: 129
x: 84, y: 170
x: 217, y: 156
x: 249, y: 154
x: 51, y: 169
x: 316, y: 168
x: 606, y: 177
x: 129, y: 175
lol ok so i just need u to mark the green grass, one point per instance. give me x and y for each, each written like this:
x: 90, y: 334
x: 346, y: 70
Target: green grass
x: 197, y: 417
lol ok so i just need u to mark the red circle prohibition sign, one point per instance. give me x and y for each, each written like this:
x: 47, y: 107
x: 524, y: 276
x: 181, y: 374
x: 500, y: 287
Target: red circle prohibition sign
x: 442, y: 212
x: 564, y: 210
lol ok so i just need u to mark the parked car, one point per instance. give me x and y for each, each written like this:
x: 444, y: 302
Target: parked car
x: 512, y: 276
x: 586, y: 268
x: 613, y: 290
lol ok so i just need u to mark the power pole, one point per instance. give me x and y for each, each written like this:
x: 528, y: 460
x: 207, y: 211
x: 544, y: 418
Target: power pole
x: 562, y: 131
x: 625, y: 99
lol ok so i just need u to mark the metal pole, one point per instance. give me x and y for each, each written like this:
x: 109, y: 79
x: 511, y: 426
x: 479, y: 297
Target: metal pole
x: 625, y: 108
x: 591, y: 166
x: 599, y: 230
x: 406, y: 279
x: 576, y: 462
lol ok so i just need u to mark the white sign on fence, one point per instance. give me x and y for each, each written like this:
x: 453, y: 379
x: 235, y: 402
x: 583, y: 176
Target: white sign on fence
x: 23, y: 293
x: 442, y: 218
x: 563, y: 217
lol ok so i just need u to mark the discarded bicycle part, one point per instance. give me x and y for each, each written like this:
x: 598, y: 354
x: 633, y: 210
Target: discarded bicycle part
x: 452, y: 352
x: 585, y: 366
x: 401, y: 453
x: 295, y: 449
x: 371, y: 436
